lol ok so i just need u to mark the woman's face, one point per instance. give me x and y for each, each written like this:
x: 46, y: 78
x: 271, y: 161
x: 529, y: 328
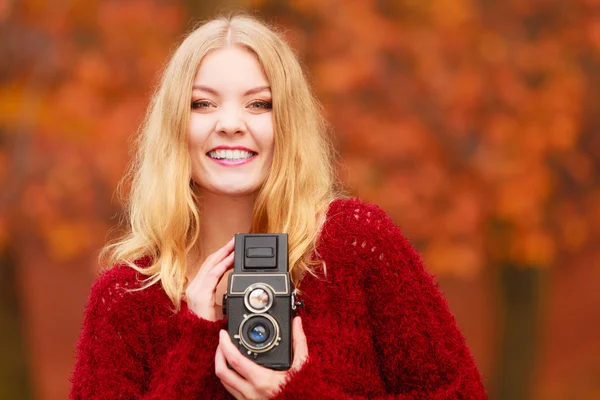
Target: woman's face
x: 231, y: 123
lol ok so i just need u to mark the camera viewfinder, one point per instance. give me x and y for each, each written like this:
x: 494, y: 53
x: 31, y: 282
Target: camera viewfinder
x: 261, y: 252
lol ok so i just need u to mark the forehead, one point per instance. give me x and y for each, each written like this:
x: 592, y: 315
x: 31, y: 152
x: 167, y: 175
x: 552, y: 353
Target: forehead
x: 232, y: 66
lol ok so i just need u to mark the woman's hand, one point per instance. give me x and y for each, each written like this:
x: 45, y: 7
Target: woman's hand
x: 200, y: 293
x: 248, y: 380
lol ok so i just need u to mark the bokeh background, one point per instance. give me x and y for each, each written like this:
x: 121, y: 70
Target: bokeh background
x: 473, y: 123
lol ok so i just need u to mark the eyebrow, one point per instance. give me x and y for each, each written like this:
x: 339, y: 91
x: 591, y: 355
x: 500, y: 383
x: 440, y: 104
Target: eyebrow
x: 248, y: 92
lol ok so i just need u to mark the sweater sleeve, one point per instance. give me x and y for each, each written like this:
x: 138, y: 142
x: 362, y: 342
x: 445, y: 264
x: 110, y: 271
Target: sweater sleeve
x: 421, y: 352
x: 115, y: 357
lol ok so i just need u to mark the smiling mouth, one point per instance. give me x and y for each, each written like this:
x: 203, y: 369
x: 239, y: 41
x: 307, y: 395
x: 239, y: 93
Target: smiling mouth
x: 231, y: 155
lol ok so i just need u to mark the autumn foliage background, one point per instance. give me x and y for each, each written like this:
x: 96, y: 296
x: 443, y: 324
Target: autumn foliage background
x: 473, y: 123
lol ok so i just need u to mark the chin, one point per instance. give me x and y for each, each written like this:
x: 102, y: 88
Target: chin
x: 234, y: 191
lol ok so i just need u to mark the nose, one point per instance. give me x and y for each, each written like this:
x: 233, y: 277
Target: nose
x: 230, y: 121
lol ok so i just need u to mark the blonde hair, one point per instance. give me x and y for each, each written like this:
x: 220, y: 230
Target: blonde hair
x: 161, y: 210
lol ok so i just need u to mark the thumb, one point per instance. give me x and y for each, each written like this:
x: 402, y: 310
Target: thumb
x: 299, y: 344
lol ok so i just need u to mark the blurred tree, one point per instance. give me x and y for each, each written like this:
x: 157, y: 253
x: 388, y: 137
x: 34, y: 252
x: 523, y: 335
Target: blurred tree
x: 464, y: 117
x: 75, y: 80
x: 456, y: 116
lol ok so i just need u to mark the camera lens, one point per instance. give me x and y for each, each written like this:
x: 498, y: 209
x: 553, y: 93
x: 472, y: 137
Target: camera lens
x: 258, y: 298
x: 258, y: 333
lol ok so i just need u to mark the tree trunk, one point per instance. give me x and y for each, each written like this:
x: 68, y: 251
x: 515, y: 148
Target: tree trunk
x: 518, y: 345
x: 14, y: 372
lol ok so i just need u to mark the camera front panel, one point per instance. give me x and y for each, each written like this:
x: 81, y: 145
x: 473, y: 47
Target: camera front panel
x: 259, y: 318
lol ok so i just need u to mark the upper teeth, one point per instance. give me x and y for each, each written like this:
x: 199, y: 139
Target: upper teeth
x: 230, y: 154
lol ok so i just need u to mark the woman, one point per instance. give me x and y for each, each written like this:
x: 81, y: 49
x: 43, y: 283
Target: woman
x: 233, y: 142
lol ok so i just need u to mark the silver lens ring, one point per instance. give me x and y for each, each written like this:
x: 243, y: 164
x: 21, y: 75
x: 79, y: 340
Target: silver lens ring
x: 272, y: 343
x: 258, y: 297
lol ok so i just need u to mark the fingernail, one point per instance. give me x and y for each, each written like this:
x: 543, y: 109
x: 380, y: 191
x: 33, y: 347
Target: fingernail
x: 300, y: 321
x: 221, y: 334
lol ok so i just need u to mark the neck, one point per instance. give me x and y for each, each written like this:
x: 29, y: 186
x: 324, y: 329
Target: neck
x: 221, y: 218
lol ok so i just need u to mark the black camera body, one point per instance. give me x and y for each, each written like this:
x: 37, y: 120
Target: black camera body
x: 261, y: 300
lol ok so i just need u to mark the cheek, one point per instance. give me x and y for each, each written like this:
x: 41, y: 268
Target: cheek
x: 263, y: 131
x: 200, y: 128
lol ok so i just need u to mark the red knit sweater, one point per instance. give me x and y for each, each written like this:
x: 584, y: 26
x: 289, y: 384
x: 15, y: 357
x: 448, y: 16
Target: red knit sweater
x: 376, y: 326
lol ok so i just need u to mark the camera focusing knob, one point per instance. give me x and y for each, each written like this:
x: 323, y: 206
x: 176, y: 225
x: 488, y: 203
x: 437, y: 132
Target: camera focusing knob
x: 224, y: 304
x: 295, y: 302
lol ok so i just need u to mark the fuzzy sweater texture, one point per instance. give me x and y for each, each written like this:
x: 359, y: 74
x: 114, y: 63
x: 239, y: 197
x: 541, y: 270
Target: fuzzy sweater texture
x: 377, y: 327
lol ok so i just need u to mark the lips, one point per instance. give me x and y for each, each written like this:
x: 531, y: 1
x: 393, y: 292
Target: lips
x: 241, y: 148
x: 229, y: 156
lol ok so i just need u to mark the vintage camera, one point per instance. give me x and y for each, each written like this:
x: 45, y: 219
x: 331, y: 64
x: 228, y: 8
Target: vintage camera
x: 261, y: 300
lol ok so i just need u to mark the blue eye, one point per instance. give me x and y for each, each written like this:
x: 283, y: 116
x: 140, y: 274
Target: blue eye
x: 201, y: 104
x: 261, y: 104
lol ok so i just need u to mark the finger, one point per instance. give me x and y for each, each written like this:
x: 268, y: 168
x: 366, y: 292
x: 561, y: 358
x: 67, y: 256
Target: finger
x: 242, y: 365
x: 205, y: 284
x: 232, y: 391
x: 210, y: 276
x: 228, y: 377
x: 224, y: 251
x: 220, y: 268
x: 299, y: 343
x: 218, y: 255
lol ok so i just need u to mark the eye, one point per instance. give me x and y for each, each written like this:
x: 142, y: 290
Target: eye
x: 260, y: 104
x: 201, y: 104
